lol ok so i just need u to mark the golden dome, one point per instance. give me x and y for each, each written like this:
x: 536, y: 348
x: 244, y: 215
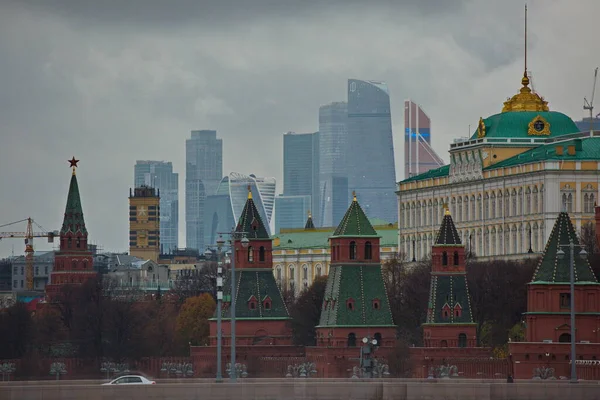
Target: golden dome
x: 525, y: 100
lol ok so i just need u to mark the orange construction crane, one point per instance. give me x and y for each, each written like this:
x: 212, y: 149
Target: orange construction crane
x: 28, y: 236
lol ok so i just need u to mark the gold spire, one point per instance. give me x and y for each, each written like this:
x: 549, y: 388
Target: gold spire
x: 309, y: 214
x: 446, y: 209
x: 249, y: 192
x: 353, y: 195
x: 525, y: 100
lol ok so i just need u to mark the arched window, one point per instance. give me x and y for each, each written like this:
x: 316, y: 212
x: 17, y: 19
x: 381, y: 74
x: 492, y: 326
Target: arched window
x: 444, y: 258
x: 351, y: 339
x: 279, y: 275
x: 250, y: 254
x: 350, y: 304
x: 376, y: 304
x: 456, y: 258
x: 353, y: 250
x: 261, y: 253
x: 564, y: 338
x: 462, y: 340
x: 318, y: 270
x: 443, y: 343
x: 368, y: 251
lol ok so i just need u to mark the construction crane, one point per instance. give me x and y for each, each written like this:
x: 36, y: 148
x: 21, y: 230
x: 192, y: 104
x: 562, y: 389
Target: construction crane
x: 28, y: 235
x: 589, y: 105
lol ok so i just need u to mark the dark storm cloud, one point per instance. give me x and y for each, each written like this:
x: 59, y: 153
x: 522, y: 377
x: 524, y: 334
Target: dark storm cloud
x: 157, y: 14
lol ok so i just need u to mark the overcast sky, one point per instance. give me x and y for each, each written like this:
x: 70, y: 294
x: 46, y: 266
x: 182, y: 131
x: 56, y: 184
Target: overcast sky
x: 114, y: 81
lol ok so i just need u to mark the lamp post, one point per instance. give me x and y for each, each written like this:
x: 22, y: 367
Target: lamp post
x: 561, y: 255
x: 530, y: 249
x: 220, y: 243
x: 233, y: 235
x: 414, y: 259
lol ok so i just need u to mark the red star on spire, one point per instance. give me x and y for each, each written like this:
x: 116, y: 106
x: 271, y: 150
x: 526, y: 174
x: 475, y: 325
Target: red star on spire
x: 73, y: 162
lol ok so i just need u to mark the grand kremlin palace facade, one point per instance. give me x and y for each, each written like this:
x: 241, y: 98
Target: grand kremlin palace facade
x: 505, y: 185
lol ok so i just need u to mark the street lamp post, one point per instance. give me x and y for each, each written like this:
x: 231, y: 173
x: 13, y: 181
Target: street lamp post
x: 414, y: 252
x: 561, y: 255
x: 530, y: 249
x: 233, y: 235
x: 220, y: 243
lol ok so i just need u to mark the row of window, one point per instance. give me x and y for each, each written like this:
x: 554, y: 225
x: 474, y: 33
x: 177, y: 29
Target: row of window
x: 484, y: 242
x: 36, y: 271
x: 490, y: 205
x: 353, y: 253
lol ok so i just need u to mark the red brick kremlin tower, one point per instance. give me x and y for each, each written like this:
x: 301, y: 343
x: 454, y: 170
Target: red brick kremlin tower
x: 548, y: 329
x: 355, y: 304
x: 449, y: 318
x: 73, y: 263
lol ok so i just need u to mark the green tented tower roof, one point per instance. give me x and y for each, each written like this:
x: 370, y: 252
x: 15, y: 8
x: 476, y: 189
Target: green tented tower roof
x: 355, y: 223
x: 250, y: 221
x: 447, y: 235
x: 553, y: 269
x: 450, y: 291
x: 258, y: 284
x: 73, y: 220
x: 362, y: 285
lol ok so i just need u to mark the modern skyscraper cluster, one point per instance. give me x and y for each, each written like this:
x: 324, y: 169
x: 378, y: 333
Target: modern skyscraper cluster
x: 355, y: 153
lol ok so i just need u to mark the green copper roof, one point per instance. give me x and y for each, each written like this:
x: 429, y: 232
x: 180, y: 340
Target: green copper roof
x: 355, y: 223
x: 440, y: 172
x: 258, y: 285
x: 449, y: 292
x: 552, y: 269
x: 319, y: 238
x: 587, y: 148
x: 516, y: 124
x: 73, y: 219
x: 361, y: 285
x: 251, y: 223
x: 447, y: 235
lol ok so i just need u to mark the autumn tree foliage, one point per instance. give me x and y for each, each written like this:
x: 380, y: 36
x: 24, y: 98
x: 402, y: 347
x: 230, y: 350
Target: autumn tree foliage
x: 192, y: 321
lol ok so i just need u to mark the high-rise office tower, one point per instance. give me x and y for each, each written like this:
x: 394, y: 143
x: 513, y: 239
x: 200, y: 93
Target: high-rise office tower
x: 333, y: 175
x: 225, y: 207
x: 204, y: 170
x: 301, y: 171
x: 370, y: 155
x: 144, y: 223
x: 291, y: 211
x: 160, y: 175
x: 419, y: 157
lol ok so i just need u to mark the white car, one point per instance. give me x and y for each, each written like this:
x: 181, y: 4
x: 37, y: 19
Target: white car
x: 130, y: 380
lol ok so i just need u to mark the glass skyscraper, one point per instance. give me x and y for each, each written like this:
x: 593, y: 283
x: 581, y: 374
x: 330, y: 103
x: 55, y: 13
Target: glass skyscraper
x: 204, y: 170
x: 291, y: 211
x: 333, y: 175
x: 370, y: 155
x: 301, y: 169
x: 419, y: 157
x: 160, y: 175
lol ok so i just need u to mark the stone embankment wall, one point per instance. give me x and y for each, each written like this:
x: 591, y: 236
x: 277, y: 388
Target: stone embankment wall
x: 305, y: 389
